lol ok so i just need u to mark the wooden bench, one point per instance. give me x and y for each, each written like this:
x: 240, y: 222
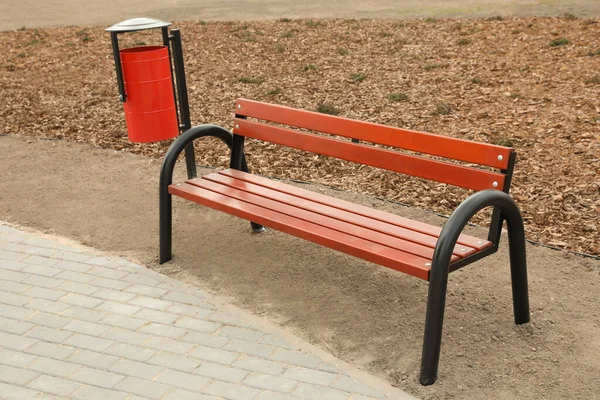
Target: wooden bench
x: 408, y: 246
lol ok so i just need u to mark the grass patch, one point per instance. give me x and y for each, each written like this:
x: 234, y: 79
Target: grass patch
x: 396, y: 97
x: 385, y: 34
x: 33, y: 42
x: 594, y: 80
x: 594, y: 53
x: 496, y: 18
x: 314, y: 24
x: 342, y: 51
x: 279, y: 48
x: 355, y: 26
x: 328, y: 108
x: 476, y: 80
x: 399, y: 24
x: 23, y: 28
x: 285, y: 20
x: 559, y: 42
x: 83, y: 36
x: 274, y: 92
x: 202, y: 22
x: 251, y: 80
x: 309, y: 67
x: 516, y: 95
x: 22, y: 55
x: 463, y: 42
x: 358, y: 77
x: 140, y: 43
x: 431, y: 20
x: 503, y: 141
x: 442, y: 108
x: 287, y: 34
x: 570, y: 16
x: 432, y: 66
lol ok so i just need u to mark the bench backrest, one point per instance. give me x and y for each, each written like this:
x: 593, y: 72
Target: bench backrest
x: 466, y: 176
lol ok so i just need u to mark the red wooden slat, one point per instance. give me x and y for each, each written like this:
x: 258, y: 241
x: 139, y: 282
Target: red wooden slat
x: 444, y: 146
x: 397, y: 220
x: 317, y: 219
x: 370, y: 251
x: 452, y: 174
x: 324, y: 211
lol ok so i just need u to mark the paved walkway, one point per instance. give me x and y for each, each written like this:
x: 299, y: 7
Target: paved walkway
x: 77, y: 324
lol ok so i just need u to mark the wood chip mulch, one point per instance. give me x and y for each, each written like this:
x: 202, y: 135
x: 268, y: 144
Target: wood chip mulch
x: 529, y: 83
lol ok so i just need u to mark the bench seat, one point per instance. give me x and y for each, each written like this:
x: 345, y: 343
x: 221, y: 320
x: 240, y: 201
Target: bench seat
x: 377, y: 236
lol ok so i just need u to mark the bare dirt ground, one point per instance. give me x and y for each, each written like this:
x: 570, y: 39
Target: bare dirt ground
x: 367, y: 315
x: 54, y: 13
x: 530, y: 83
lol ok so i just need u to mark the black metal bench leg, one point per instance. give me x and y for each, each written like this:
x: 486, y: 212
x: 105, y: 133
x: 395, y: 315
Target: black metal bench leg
x: 165, y: 217
x: 434, y: 321
x: 518, y: 271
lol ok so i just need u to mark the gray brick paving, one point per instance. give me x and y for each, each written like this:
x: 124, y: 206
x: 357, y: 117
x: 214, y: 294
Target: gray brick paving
x: 78, y: 325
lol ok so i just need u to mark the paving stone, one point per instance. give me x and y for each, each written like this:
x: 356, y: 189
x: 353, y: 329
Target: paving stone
x: 101, y: 261
x: 40, y: 251
x: 205, y: 339
x: 87, y: 328
x: 88, y: 342
x: 249, y: 335
x: 107, y: 273
x: 14, y: 327
x: 41, y: 266
x: 123, y: 321
x: 75, y: 287
x: 51, y: 320
x: 153, y: 390
x: 150, y: 302
x: 126, y: 336
x: 228, y: 319
x: 12, y: 246
x: 268, y: 395
x: 43, y: 281
x: 14, y: 266
x: 231, y: 391
x: 14, y: 275
x: 13, y: 287
x: 157, y: 316
x: 49, y: 334
x: 260, y: 365
x: 296, y: 358
x: 84, y: 314
x: 51, y: 350
x: 73, y: 266
x: 95, y: 393
x: 183, y: 380
x: 214, y: 355
x: 48, y: 306
x: 18, y: 376
x: 50, y: 366
x: 349, y: 384
x: 197, y: 324
x: 174, y: 361
x: 190, y: 311
x: 15, y: 358
x: 255, y: 349
x: 220, y: 372
x: 13, y: 312
x: 81, y: 300
x: 54, y: 385
x: 16, y: 392
x: 131, y: 352
x: 163, y: 330
x: 75, y: 277
x: 97, y: 377
x: 310, y: 375
x: 13, y: 299
x: 15, y: 342
x: 184, y: 298
x: 39, y: 241
x: 170, y: 345
x: 12, y: 256
x: 137, y: 369
x: 114, y: 295
x: 93, y: 359
x: 141, y: 280
x: 146, y: 290
x: 70, y: 256
x: 118, y: 308
x: 44, y: 293
x: 110, y: 283
x: 319, y: 392
x: 277, y: 341
x: 181, y: 394
x: 271, y: 382
x: 331, y: 368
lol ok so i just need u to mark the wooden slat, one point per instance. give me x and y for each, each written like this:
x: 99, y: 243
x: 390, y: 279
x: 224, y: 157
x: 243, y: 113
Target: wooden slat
x: 443, y: 146
x: 452, y: 174
x: 317, y: 219
x: 367, y: 250
x: 325, y: 212
x: 383, y: 216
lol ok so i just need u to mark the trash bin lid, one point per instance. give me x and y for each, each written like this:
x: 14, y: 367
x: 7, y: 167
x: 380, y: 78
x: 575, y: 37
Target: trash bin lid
x: 137, y: 24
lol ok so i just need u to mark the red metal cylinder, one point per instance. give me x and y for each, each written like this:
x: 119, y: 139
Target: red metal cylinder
x: 150, y: 105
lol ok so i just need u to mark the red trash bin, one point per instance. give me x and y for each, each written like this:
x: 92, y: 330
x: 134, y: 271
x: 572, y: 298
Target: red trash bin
x: 150, y: 111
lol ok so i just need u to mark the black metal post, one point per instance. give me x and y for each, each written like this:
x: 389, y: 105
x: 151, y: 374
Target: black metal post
x: 497, y: 218
x: 115, y: 45
x: 438, y: 278
x: 167, y: 43
x: 184, y: 106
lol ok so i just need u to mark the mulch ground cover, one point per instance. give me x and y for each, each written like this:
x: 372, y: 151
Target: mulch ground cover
x: 529, y: 83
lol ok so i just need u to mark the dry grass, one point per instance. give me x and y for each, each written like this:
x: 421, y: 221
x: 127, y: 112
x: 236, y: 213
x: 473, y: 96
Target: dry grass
x: 530, y: 83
